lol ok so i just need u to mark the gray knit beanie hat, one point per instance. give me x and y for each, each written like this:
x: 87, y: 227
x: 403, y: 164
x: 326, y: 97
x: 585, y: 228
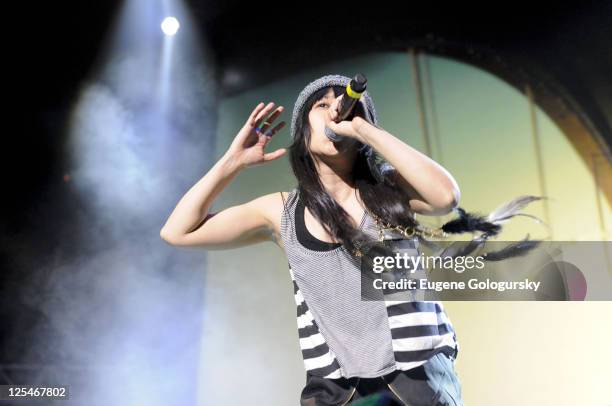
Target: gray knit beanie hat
x: 323, y: 82
x: 371, y: 116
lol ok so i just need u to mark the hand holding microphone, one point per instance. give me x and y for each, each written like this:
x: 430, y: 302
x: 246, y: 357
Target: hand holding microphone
x: 347, y: 105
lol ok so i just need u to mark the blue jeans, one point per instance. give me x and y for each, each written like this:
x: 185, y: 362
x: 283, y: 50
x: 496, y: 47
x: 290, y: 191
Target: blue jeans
x: 434, y: 383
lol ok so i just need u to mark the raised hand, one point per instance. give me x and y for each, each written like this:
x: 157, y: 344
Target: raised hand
x: 349, y: 128
x: 248, y: 147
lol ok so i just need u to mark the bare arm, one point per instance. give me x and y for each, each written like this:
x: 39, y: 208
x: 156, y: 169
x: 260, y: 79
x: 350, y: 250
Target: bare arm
x: 190, y: 224
x: 432, y: 188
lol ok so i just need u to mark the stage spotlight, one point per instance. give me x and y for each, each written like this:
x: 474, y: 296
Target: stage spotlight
x: 170, y: 26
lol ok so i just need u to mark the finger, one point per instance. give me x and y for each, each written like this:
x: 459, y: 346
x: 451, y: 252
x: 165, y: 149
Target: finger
x: 332, y: 125
x: 333, y: 114
x: 268, y: 139
x: 276, y: 129
x: 255, y: 111
x: 271, y: 156
x: 271, y: 132
x: 333, y: 104
x: 336, y: 101
x: 273, y: 116
x: 261, y: 110
x: 262, y: 114
x: 264, y: 123
x: 262, y: 139
x: 333, y: 109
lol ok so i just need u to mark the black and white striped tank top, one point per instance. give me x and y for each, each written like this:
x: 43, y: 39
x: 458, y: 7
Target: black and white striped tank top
x: 342, y: 335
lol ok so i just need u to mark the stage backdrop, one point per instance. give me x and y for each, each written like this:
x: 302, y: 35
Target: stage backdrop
x: 480, y: 129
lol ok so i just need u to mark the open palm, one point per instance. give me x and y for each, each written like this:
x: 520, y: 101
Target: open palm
x: 248, y: 147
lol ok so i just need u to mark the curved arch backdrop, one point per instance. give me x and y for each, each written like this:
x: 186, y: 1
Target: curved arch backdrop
x: 482, y: 130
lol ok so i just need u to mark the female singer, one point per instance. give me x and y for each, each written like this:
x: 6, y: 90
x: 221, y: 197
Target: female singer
x: 351, y: 347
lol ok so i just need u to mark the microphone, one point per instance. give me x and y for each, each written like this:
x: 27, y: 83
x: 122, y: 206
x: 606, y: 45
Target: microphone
x: 348, y: 102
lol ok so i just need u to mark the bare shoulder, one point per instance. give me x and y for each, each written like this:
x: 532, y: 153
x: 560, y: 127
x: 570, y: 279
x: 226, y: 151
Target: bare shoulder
x: 271, y: 207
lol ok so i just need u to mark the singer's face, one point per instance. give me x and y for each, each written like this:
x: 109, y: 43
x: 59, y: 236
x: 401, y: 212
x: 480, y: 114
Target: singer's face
x: 319, y: 117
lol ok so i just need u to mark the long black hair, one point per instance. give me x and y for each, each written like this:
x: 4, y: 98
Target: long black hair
x: 377, y: 189
x: 385, y: 199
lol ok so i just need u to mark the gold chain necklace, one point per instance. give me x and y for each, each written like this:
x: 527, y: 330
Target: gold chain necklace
x: 408, y: 231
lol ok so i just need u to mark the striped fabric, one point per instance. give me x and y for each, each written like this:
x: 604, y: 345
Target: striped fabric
x: 318, y: 358
x: 341, y: 335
